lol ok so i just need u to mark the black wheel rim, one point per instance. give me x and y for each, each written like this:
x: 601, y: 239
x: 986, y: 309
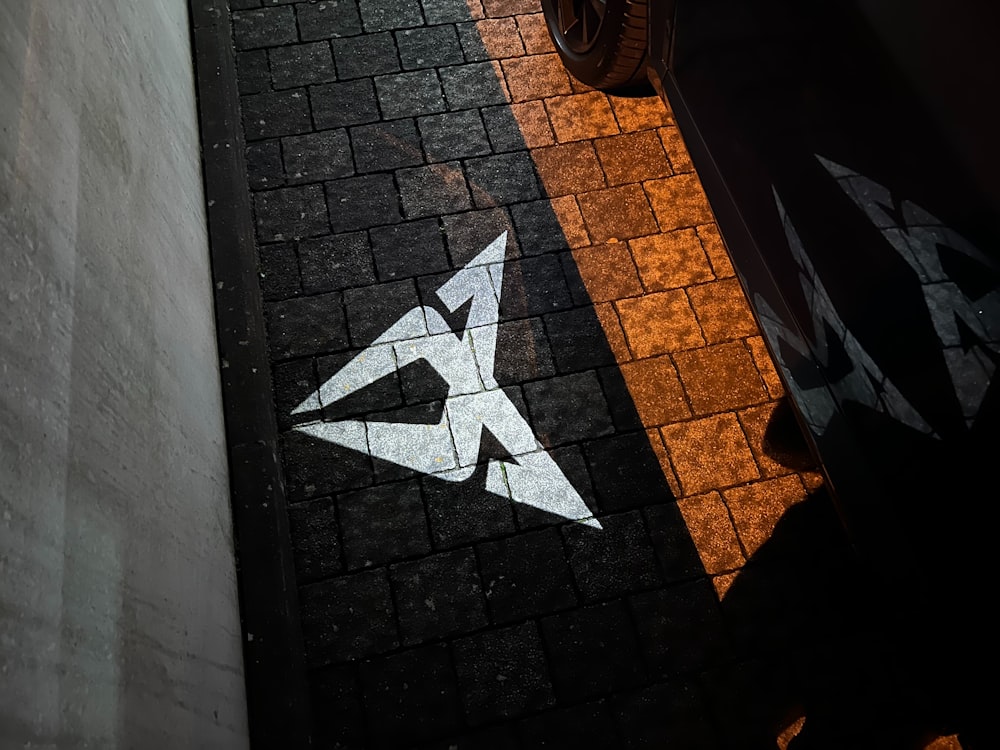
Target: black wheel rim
x: 580, y: 21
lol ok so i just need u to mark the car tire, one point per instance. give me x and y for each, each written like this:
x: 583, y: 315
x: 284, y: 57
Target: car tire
x: 612, y: 57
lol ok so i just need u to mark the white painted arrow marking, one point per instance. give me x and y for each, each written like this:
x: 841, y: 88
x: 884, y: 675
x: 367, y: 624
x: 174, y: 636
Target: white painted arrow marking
x: 449, y: 449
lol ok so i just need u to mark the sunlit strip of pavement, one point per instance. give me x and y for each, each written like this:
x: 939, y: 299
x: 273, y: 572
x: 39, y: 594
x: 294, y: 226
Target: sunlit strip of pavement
x: 620, y: 181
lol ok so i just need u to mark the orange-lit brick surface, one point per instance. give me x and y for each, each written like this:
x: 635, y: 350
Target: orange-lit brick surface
x: 622, y: 184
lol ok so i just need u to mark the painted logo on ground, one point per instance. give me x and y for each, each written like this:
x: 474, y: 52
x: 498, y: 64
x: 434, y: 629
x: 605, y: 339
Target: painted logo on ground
x: 449, y: 450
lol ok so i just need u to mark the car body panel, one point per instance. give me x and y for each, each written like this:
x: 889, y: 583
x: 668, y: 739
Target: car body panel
x: 850, y: 155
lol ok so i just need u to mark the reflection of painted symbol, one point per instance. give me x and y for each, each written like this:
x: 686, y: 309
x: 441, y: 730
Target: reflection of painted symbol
x: 449, y: 449
x: 967, y: 327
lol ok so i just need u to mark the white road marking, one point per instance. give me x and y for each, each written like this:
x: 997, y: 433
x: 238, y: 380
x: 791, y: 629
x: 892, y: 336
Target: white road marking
x: 449, y: 449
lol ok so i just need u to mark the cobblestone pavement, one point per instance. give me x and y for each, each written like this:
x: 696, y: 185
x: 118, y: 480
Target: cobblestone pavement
x: 617, y: 539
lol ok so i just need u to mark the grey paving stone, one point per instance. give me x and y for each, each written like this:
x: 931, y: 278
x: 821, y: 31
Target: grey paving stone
x: 383, y: 523
x: 461, y: 512
x: 314, y: 468
x: 453, y: 135
x: 315, y: 540
x: 681, y: 628
x: 266, y: 27
x: 252, y: 72
x: 428, y: 47
x: 337, y: 105
x: 471, y: 86
x: 301, y: 64
x: 290, y: 213
x: 578, y: 341
x: 275, y: 113
x: 445, y: 11
x: 433, y: 190
x: 264, y: 168
x: 679, y: 559
x: 526, y: 575
x: 593, y: 651
x: 468, y: 234
x: 337, y: 690
x: 502, y: 674
x: 568, y: 408
x: 362, y: 202
x: 384, y: 146
x: 328, y: 19
x: 306, y: 325
x: 380, y: 396
x: 538, y: 228
x: 409, y: 94
x: 411, y: 696
x: 244, y: 4
x: 667, y: 715
x: 347, y: 617
x: 502, y: 179
x: 317, y: 156
x: 382, y: 15
x: 589, y: 725
x: 371, y: 310
x: 364, y: 56
x: 616, y: 560
x: 503, y: 130
x: 472, y: 42
x: 336, y: 262
x: 522, y: 352
x: 408, y: 249
x: 279, y: 271
x: 532, y: 286
x: 292, y: 382
x: 625, y: 472
x: 438, y: 596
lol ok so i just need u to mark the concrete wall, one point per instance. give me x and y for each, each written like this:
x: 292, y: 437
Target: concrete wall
x: 118, y: 605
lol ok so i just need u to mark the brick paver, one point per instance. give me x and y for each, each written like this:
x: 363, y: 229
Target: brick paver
x: 389, y: 143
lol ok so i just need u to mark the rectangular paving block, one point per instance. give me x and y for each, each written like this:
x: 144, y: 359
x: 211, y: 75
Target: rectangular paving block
x: 526, y: 576
x: 593, y: 651
x: 429, y: 47
x: 411, y: 696
x: 347, y: 617
x: 614, y: 561
x: 301, y: 64
x: 306, y: 325
x: 438, y: 596
x: 315, y: 539
x: 383, y: 524
x: 502, y: 674
x: 290, y: 213
x: 335, y: 262
x: 327, y: 19
x: 264, y: 27
x: 460, y: 512
x: 275, y: 113
x: 362, y: 202
x: 337, y: 105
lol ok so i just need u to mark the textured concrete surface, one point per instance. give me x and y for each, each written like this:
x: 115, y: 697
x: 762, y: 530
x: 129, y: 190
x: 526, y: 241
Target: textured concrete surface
x: 118, y: 611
